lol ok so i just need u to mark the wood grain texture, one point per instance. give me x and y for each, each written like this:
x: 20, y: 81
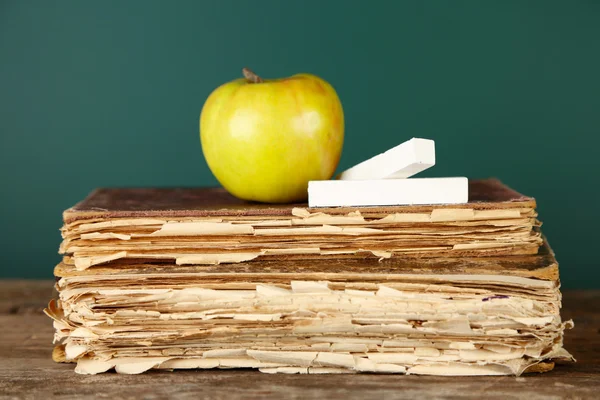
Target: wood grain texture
x: 27, y: 370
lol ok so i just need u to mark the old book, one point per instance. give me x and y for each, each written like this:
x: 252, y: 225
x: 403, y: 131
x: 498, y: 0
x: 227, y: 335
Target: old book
x: 185, y: 278
x: 415, y: 316
x: 209, y: 226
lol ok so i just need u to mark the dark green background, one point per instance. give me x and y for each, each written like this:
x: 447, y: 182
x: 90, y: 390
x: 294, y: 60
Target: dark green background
x: 108, y: 93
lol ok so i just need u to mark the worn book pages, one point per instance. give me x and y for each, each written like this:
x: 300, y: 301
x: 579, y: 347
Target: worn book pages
x: 496, y: 221
x: 195, y: 279
x: 300, y: 320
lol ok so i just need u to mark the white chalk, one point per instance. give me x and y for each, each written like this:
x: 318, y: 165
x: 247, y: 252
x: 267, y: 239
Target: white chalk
x: 388, y: 192
x: 402, y: 161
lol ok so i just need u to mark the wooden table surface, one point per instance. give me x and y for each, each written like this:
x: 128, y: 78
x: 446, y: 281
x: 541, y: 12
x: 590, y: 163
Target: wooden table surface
x: 27, y: 371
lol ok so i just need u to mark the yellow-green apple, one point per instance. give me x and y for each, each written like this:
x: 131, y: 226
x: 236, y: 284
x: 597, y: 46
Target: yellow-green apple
x: 265, y: 139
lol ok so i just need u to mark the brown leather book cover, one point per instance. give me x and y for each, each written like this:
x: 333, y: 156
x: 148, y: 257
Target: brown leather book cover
x: 108, y: 203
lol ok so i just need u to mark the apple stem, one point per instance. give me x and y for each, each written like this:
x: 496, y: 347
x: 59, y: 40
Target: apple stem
x: 251, y: 76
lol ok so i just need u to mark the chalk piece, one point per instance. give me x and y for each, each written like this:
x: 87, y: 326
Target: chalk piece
x: 402, y: 161
x: 388, y: 192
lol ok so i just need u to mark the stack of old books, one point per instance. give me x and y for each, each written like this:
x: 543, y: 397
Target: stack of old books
x: 195, y: 278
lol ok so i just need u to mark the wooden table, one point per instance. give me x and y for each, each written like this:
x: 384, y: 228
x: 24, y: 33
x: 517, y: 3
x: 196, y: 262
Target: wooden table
x: 27, y: 371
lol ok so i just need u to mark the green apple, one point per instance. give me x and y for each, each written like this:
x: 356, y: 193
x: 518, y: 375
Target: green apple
x: 265, y: 139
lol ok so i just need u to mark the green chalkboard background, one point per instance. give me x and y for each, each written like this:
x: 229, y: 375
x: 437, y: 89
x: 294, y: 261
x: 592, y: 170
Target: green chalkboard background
x: 108, y: 93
